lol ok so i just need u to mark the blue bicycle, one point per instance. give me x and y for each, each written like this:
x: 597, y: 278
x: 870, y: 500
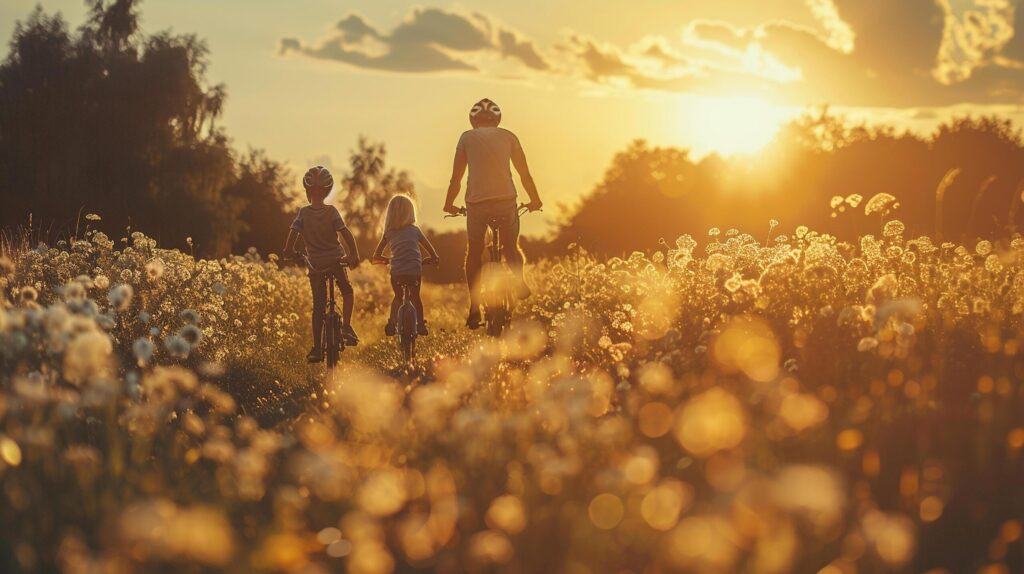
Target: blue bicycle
x: 407, y: 319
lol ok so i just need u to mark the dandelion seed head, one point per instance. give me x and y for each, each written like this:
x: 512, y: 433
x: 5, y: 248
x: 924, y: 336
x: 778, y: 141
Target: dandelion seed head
x: 120, y: 296
x: 177, y: 346
x: 142, y: 348
x: 155, y: 269
x: 191, y: 334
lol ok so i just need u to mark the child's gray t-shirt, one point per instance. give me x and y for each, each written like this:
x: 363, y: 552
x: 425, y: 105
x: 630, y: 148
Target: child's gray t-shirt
x: 405, y: 250
x: 319, y: 227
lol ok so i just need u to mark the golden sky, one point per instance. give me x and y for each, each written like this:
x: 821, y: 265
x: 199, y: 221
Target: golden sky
x: 577, y: 80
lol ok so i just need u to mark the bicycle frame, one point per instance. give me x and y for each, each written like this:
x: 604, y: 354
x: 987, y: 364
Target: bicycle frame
x: 407, y: 321
x: 497, y: 317
x: 406, y: 318
x: 332, y: 343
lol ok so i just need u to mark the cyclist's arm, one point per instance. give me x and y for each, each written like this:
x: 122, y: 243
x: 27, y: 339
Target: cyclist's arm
x: 379, y: 251
x: 430, y: 248
x: 290, y: 242
x: 350, y: 246
x: 455, y: 185
x: 519, y: 161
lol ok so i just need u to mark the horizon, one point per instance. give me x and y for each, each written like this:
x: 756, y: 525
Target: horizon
x: 568, y: 70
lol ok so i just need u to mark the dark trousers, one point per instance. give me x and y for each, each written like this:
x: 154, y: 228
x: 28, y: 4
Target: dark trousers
x: 413, y: 281
x: 318, y: 284
x: 504, y: 212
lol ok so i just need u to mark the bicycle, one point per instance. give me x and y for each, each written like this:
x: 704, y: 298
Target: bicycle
x: 497, y: 307
x: 407, y: 318
x: 332, y: 343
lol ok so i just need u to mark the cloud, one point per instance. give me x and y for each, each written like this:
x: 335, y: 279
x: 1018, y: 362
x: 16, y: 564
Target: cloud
x: 599, y: 62
x: 881, y: 53
x: 862, y: 53
x: 1014, y: 49
x: 838, y: 33
x: 716, y: 34
x: 974, y: 40
x: 428, y: 40
x: 513, y: 46
x: 908, y: 53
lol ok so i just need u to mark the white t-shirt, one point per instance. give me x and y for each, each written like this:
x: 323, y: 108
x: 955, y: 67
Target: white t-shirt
x: 489, y: 155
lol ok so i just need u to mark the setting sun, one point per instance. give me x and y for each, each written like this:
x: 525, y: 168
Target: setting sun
x: 734, y: 124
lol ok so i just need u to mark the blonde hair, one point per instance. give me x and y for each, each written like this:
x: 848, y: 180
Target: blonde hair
x: 401, y: 212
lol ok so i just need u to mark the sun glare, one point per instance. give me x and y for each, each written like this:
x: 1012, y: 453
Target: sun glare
x: 733, y: 124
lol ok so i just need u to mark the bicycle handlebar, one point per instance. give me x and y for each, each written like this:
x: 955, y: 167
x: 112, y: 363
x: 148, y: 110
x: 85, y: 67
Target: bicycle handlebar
x: 297, y: 256
x: 382, y: 260
x: 521, y: 209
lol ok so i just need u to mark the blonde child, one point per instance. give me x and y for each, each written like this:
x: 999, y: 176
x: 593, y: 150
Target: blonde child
x: 405, y: 241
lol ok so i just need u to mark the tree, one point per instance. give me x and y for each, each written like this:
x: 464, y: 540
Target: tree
x: 368, y: 187
x: 653, y: 193
x: 269, y: 202
x: 112, y: 121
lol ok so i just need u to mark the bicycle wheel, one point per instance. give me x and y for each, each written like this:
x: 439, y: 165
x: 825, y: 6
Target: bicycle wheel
x: 495, y: 320
x: 407, y: 331
x: 332, y: 339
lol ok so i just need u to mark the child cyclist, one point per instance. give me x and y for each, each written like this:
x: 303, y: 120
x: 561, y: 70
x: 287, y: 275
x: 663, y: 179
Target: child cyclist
x: 320, y: 226
x: 405, y: 240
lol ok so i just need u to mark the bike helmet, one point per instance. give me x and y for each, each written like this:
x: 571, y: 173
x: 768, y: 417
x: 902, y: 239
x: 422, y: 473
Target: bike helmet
x: 485, y: 113
x: 318, y: 177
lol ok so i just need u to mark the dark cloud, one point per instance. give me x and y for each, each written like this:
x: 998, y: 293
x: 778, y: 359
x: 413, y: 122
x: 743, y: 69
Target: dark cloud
x: 512, y: 46
x: 894, y: 37
x: 600, y: 63
x: 898, y: 58
x: 874, y: 53
x: 435, y: 27
x: 900, y: 53
x: 653, y: 65
x: 1015, y: 48
x: 429, y: 40
x: 354, y: 29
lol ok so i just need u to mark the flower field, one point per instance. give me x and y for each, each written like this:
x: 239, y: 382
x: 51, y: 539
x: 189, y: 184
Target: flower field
x: 791, y: 404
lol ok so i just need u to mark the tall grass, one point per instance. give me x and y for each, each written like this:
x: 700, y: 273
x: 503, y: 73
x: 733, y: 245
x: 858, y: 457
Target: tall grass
x: 801, y: 405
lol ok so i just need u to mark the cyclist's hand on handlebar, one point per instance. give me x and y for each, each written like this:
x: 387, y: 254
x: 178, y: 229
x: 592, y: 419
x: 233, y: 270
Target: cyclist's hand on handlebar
x: 431, y: 260
x: 535, y: 205
x: 450, y: 209
x: 352, y: 261
x: 380, y: 260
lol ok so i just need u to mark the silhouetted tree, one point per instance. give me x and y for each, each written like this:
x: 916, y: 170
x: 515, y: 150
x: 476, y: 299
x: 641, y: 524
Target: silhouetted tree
x: 647, y: 194
x: 652, y: 193
x: 113, y: 121
x: 366, y: 190
x: 269, y: 200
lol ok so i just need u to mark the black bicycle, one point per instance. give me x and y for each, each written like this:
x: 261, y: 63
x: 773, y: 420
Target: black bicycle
x: 332, y: 342
x: 498, y: 307
x: 407, y: 319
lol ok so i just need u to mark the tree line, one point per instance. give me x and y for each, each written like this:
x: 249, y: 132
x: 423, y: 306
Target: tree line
x: 963, y: 181
x: 106, y: 119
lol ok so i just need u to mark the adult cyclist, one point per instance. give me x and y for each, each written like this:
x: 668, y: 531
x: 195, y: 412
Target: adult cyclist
x: 488, y: 151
